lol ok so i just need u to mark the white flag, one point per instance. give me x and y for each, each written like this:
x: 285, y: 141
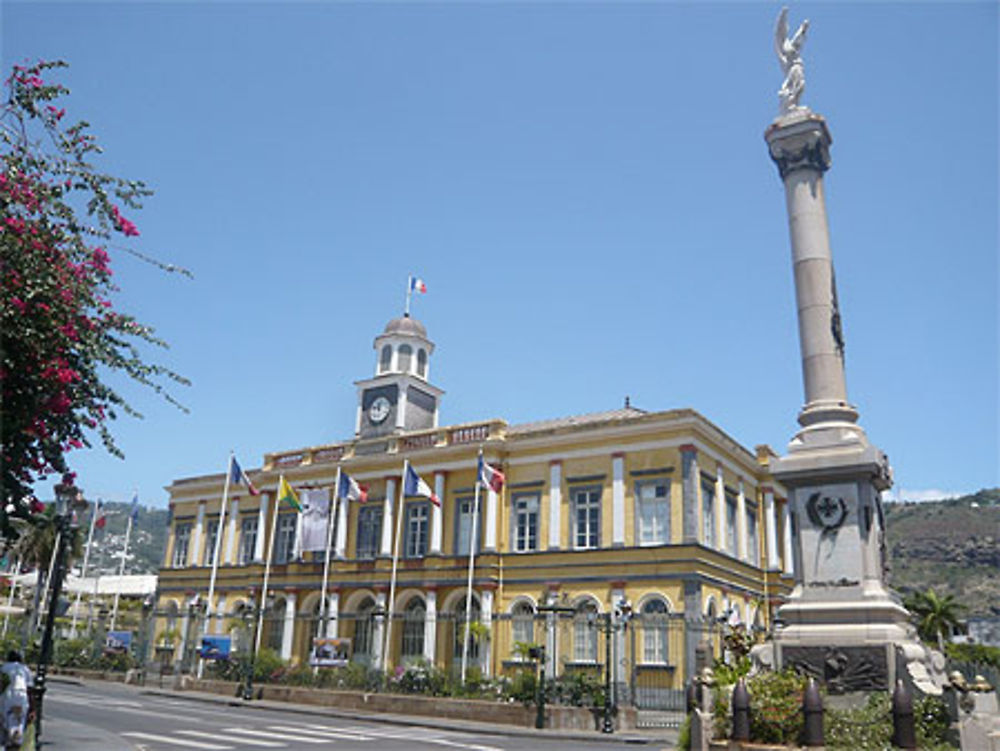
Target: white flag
x: 315, y: 512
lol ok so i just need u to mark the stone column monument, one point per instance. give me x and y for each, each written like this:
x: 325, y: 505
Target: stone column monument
x: 840, y: 624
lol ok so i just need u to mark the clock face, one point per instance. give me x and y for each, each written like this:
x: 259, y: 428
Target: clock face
x: 379, y: 410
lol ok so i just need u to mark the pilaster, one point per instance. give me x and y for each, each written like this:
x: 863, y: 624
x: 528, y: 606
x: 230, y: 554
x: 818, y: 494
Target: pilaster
x: 689, y: 489
x: 618, y: 500
x: 555, y: 504
x: 387, y: 517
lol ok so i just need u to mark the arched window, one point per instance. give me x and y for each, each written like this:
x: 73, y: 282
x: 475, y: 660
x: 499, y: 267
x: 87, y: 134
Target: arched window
x: 522, y: 619
x: 385, y: 359
x: 654, y: 631
x: 275, y: 619
x: 585, y: 632
x: 413, y: 629
x: 460, y: 631
x: 422, y: 363
x: 364, y: 629
x: 404, y: 356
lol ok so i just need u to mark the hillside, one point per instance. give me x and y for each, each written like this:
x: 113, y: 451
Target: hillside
x: 146, y: 546
x: 952, y: 546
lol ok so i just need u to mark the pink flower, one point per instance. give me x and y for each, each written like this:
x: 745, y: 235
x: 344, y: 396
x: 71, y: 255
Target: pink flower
x: 18, y: 303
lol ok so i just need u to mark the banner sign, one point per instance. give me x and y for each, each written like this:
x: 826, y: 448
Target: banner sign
x: 215, y: 647
x: 117, y: 642
x: 330, y: 653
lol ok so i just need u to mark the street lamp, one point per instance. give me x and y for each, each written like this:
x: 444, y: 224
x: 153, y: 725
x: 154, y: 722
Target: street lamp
x: 253, y: 611
x: 69, y: 498
x: 610, y: 623
x: 538, y: 653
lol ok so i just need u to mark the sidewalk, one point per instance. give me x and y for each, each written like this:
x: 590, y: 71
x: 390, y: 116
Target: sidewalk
x: 640, y: 737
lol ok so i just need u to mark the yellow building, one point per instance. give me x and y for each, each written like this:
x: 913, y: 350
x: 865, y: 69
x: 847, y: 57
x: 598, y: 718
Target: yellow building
x: 657, y: 520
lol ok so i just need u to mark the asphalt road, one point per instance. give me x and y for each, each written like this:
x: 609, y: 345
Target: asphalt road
x: 94, y: 715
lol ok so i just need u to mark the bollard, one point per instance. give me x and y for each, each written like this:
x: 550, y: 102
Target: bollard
x: 741, y: 712
x: 904, y: 730
x: 692, y: 695
x: 812, y: 710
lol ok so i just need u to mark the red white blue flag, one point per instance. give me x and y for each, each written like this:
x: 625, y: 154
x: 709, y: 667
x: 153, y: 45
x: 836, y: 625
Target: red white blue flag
x: 350, y: 489
x: 238, y: 476
x: 414, y: 485
x: 417, y: 285
x: 490, y: 476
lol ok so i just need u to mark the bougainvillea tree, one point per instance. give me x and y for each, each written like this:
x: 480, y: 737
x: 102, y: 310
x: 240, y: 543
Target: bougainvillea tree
x: 61, y: 220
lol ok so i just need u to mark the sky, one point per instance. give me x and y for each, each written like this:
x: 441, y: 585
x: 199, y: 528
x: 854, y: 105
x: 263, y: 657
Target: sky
x: 585, y: 189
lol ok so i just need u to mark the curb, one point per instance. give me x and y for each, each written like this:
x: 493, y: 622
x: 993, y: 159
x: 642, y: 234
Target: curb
x: 628, y: 737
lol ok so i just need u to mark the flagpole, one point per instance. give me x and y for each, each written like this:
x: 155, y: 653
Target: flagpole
x: 472, y: 564
x: 324, y: 609
x: 409, y: 294
x: 48, y: 577
x: 219, y: 532
x: 83, y: 571
x: 387, y: 641
x: 121, y: 572
x: 267, y: 566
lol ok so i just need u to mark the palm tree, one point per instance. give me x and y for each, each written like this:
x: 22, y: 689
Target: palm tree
x: 935, y: 616
x: 35, y: 545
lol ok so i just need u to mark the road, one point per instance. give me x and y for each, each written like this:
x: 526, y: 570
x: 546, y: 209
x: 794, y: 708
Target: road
x: 148, y: 722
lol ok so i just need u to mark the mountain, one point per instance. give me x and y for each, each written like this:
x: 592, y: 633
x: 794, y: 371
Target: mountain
x: 146, y: 545
x: 951, y: 546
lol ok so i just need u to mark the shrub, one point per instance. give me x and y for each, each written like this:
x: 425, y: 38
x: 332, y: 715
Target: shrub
x: 980, y: 653
x: 775, y: 707
x: 300, y: 675
x: 73, y: 653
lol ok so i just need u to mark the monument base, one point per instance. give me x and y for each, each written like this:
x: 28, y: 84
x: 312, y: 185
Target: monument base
x: 841, y: 624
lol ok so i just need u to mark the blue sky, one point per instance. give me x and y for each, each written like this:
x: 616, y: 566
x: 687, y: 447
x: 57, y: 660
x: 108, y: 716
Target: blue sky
x: 584, y: 187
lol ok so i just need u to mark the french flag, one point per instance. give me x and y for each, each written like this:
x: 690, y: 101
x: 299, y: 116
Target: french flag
x: 490, y: 476
x: 413, y: 484
x: 417, y: 285
x: 350, y: 490
x: 237, y: 476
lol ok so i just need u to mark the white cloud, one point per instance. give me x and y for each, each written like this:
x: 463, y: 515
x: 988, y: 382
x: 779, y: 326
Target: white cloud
x: 919, y: 496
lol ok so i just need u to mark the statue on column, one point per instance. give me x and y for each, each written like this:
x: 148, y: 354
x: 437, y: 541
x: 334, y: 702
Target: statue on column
x: 789, y: 51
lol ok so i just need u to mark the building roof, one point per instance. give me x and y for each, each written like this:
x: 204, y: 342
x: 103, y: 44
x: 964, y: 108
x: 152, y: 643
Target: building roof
x: 593, y: 418
x: 407, y: 326
x: 129, y: 585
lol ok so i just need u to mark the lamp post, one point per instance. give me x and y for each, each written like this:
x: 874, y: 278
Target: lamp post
x: 253, y: 612
x: 143, y: 653
x: 68, y: 499
x: 611, y: 623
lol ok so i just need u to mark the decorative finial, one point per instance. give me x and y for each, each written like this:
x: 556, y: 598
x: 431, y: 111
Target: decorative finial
x: 789, y: 51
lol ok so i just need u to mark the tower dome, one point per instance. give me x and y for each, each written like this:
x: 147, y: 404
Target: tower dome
x: 407, y: 326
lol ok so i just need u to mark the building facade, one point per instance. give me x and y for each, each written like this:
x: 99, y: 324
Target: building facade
x: 657, y: 519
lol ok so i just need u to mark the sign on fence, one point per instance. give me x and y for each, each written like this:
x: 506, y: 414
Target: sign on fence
x: 330, y: 653
x: 215, y: 647
x: 117, y: 642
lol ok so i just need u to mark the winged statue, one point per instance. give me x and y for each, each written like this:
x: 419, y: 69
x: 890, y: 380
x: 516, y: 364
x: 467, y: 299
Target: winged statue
x: 789, y: 51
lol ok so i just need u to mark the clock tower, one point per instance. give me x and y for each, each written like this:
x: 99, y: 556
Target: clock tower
x: 399, y: 397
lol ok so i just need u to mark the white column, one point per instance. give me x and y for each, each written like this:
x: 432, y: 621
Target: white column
x: 259, y: 548
x: 720, y: 510
x: 332, y: 626
x: 387, y: 525
x: 618, y: 500
x: 231, y: 535
x: 487, y: 619
x: 551, y: 642
x: 741, y: 524
x: 786, y: 539
x: 555, y: 504
x: 340, y: 541
x: 194, y: 554
x: 220, y: 614
x: 288, y: 632
x: 770, y: 529
x: 430, y: 626
x: 401, y: 409
x: 490, y: 527
x: 378, y: 632
x: 437, y: 515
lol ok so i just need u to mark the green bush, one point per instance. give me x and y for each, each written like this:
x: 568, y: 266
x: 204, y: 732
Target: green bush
x: 576, y: 689
x: 523, y: 688
x: 980, y: 653
x: 300, y: 675
x: 73, y: 653
x: 869, y: 726
x: 775, y: 707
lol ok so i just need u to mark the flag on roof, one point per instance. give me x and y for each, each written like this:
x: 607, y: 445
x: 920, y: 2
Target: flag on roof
x: 286, y: 493
x: 490, y: 476
x: 350, y: 489
x: 414, y: 485
x: 417, y: 285
x: 238, y: 476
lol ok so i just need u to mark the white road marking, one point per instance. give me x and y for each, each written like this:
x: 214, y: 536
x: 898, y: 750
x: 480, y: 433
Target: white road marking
x: 456, y: 744
x: 277, y: 736
x: 231, y: 739
x: 177, y: 742
x: 324, y: 730
x: 98, y: 702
